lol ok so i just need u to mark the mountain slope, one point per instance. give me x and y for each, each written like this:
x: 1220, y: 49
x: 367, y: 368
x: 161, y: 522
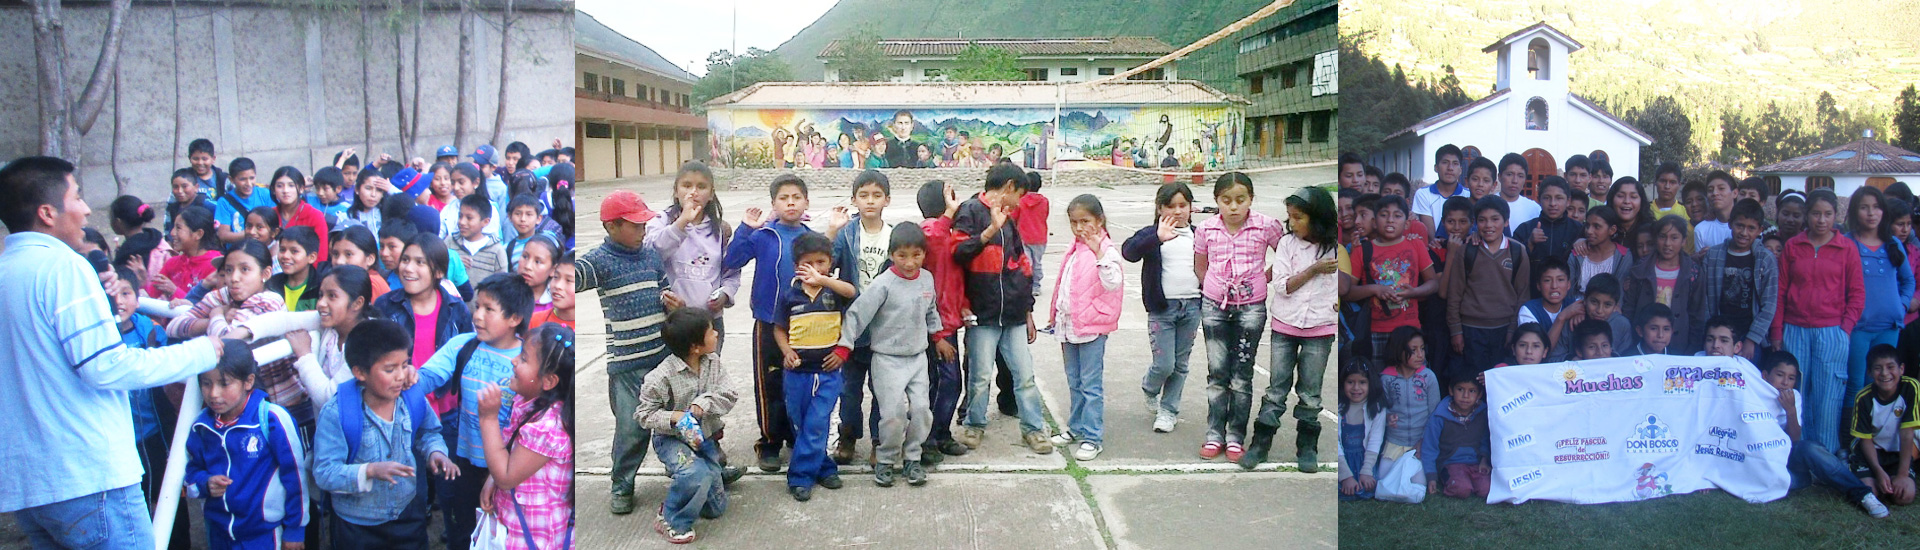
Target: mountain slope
x: 1174, y: 22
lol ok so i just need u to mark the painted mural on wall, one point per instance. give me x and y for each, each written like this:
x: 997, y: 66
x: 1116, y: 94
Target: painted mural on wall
x: 1204, y: 136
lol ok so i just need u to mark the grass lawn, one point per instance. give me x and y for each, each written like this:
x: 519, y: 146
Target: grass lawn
x: 1815, y: 517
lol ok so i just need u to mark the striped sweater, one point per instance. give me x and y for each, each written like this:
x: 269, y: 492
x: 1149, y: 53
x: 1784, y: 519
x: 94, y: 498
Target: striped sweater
x: 630, y: 282
x: 489, y: 259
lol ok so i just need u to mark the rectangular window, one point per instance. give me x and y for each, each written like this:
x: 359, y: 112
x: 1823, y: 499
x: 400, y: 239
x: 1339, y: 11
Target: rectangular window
x: 1036, y: 74
x: 899, y: 73
x: 1287, y: 76
x: 592, y: 82
x: 1322, y: 126
x: 619, y: 87
x: 641, y: 91
x: 1257, y: 84
x: 627, y: 132
x: 1069, y: 71
x: 1296, y: 128
x: 1156, y: 73
x: 606, y: 83
x: 1106, y: 71
x: 599, y: 130
x: 933, y: 74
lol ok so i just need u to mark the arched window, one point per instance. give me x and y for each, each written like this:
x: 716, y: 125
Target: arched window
x: 1539, y: 56
x: 1536, y: 114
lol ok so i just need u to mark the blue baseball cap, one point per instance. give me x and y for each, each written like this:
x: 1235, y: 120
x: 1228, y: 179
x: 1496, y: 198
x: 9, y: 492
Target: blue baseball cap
x: 485, y: 156
x: 447, y: 151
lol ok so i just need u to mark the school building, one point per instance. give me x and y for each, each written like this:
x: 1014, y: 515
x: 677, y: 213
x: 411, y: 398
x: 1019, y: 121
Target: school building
x: 1531, y: 112
x: 1289, y: 63
x: 1845, y: 168
x: 1043, y: 59
x: 633, y: 109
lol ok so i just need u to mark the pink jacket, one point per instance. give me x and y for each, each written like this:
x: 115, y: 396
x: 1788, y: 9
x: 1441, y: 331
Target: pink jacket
x: 1095, y: 307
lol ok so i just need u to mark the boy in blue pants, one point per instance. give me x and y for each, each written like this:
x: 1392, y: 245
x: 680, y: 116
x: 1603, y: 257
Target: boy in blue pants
x: 682, y: 402
x: 769, y: 245
x: 806, y: 332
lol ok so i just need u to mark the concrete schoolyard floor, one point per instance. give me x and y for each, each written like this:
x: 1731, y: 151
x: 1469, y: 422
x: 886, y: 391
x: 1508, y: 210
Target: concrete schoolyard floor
x: 1147, y: 490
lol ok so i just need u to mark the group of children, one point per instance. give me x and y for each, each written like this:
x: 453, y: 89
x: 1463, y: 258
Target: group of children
x: 1497, y: 266
x: 873, y: 305
x: 432, y: 363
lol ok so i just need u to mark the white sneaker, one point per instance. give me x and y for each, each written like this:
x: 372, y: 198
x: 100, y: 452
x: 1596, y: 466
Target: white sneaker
x: 1089, y: 451
x: 1061, y: 439
x: 1870, y: 502
x: 1153, y: 405
x: 1164, y: 423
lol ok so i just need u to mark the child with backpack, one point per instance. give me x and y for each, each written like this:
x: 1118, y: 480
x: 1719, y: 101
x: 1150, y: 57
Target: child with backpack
x: 371, y: 439
x: 244, y: 456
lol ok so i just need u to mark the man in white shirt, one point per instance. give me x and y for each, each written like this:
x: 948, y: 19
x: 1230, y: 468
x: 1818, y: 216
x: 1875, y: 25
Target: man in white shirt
x: 1714, y: 229
x: 1513, y: 177
x: 1428, y: 200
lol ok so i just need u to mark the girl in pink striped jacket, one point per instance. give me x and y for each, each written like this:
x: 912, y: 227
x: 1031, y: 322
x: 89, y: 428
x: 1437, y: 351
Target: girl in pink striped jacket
x: 1086, y: 307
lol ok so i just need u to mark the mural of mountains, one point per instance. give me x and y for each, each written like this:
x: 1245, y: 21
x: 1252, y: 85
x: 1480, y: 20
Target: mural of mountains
x: 1174, y: 22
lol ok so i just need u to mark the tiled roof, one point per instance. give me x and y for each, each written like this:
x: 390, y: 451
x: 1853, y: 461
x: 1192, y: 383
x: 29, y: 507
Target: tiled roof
x: 949, y: 47
x: 1863, y: 156
x: 874, y: 95
x: 1443, y: 117
x: 594, y: 37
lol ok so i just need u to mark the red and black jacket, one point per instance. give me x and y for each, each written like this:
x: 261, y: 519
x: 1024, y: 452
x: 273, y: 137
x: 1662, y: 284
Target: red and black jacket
x: 999, y: 273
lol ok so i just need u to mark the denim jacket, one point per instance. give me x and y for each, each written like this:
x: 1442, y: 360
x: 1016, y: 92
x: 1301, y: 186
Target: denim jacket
x: 360, y: 499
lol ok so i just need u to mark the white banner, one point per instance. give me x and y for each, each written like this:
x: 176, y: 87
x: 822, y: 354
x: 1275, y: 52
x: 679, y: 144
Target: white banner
x: 1635, y: 428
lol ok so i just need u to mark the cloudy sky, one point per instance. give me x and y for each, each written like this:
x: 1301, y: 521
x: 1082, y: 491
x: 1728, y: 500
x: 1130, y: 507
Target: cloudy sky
x: 686, y: 31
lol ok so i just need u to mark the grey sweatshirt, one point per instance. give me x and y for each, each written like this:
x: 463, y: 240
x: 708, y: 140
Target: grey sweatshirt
x: 1413, y: 399
x: 900, y: 312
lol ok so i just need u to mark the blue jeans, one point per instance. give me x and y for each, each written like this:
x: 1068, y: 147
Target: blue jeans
x: 984, y: 344
x: 853, y: 392
x: 696, y: 487
x: 1086, y: 365
x: 1353, y: 448
x: 1170, y: 334
x: 1823, y: 379
x: 1233, y: 337
x: 1858, y: 344
x: 629, y: 438
x: 110, y: 519
x: 943, y: 391
x: 1809, y: 463
x: 1037, y: 252
x: 809, y: 400
x: 1299, y: 366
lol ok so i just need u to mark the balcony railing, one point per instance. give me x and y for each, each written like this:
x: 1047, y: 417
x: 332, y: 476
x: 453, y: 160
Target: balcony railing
x: 583, y: 93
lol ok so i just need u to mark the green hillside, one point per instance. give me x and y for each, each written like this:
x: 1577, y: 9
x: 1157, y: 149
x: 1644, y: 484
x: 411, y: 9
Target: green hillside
x: 1175, y: 22
x: 1712, y: 56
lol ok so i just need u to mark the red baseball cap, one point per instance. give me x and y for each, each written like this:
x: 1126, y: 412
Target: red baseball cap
x: 626, y: 205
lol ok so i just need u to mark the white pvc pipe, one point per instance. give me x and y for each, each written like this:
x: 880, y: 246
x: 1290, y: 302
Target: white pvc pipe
x: 171, y: 483
x: 160, y: 308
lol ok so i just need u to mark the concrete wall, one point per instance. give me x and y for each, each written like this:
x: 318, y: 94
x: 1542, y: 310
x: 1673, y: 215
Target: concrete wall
x: 282, y: 86
x: 907, y: 180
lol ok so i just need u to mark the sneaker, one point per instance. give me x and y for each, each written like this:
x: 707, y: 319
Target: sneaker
x: 730, y: 474
x: 1061, y: 439
x: 770, y: 463
x: 842, y: 452
x: 883, y: 475
x: 622, y: 504
x: 916, y: 475
x: 800, y: 493
x: 832, y: 482
x: 952, y: 448
x: 674, y: 536
x: 1164, y: 423
x: 930, y: 456
x: 1235, y: 451
x: 1210, y: 450
x: 1038, y: 442
x: 1153, y: 405
x: 1873, y: 506
x: 1086, y: 451
x: 970, y: 437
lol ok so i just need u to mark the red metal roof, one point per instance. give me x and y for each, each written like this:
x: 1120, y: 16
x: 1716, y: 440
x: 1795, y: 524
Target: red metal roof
x: 1863, y: 156
x: 949, y: 47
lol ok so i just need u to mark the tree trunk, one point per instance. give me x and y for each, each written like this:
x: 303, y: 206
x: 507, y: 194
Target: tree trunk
x: 419, y: 19
x: 49, y: 47
x: 500, y: 113
x: 399, y: 86
x: 104, y: 69
x: 113, y: 157
x: 461, y: 106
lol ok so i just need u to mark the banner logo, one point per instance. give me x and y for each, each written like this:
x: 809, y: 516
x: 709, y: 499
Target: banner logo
x: 1684, y: 379
x: 1580, y: 452
x: 1650, y: 437
x: 1576, y: 384
x: 1721, y: 447
x: 1649, y: 484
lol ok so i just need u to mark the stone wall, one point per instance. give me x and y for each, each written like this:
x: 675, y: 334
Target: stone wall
x: 282, y: 85
x: 840, y: 178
